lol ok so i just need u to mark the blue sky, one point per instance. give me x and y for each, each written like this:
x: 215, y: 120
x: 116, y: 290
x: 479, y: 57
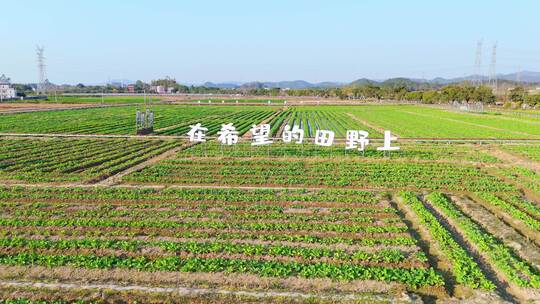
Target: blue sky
x: 247, y: 40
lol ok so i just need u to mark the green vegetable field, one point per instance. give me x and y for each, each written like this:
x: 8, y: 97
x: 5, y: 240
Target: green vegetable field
x: 88, y: 207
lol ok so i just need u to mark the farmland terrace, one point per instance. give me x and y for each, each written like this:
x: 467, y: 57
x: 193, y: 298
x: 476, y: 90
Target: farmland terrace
x: 90, y: 211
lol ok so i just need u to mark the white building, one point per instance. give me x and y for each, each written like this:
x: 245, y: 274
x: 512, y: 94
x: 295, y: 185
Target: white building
x: 160, y: 89
x: 6, y: 91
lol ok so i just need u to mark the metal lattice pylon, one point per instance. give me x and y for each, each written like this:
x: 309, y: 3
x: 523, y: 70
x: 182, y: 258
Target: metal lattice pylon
x: 41, y: 86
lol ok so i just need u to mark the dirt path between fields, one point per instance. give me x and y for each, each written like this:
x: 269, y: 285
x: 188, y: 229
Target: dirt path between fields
x: 368, y: 124
x: 511, y: 158
x: 189, y: 291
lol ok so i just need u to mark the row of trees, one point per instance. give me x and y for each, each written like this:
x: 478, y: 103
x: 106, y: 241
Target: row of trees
x: 365, y: 90
x: 521, y: 95
x: 452, y: 93
x: 446, y: 94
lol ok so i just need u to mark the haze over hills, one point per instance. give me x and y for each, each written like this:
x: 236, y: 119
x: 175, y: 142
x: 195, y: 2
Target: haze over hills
x: 524, y: 76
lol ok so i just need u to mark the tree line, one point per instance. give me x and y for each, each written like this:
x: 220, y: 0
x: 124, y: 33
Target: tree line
x: 396, y: 89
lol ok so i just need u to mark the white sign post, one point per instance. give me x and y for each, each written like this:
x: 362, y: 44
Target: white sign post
x: 357, y: 139
x: 324, y: 138
x: 296, y: 133
x: 228, y: 134
x: 387, y: 146
x: 196, y: 133
x: 261, y: 135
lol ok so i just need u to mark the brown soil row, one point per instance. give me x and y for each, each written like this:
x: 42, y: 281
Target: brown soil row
x: 192, y: 280
x: 511, y: 158
x: 113, y: 293
x: 508, y: 219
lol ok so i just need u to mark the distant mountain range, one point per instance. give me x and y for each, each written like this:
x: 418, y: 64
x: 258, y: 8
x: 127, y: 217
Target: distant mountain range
x: 524, y: 76
x: 412, y: 83
x: 295, y: 84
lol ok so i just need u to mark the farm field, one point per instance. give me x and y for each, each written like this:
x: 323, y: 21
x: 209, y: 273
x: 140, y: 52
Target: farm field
x: 406, y: 121
x: 426, y: 122
x: 92, y: 218
x: 76, y: 160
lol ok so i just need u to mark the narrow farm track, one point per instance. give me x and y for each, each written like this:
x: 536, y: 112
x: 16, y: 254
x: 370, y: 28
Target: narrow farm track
x: 511, y: 158
x: 370, y: 125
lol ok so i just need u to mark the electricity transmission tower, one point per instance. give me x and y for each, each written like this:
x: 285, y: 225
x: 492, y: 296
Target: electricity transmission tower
x: 42, y: 86
x: 493, y: 68
x: 478, y: 64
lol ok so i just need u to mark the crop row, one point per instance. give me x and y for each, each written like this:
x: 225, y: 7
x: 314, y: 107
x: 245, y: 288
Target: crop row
x: 250, y: 226
x: 423, y: 122
x: 197, y: 210
x: 185, y: 215
x: 384, y: 175
x: 414, y: 152
x: 346, y: 197
x: 192, y: 247
x: 413, y: 277
x: 373, y: 239
x: 516, y: 269
x: 464, y: 268
x: 509, y: 206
